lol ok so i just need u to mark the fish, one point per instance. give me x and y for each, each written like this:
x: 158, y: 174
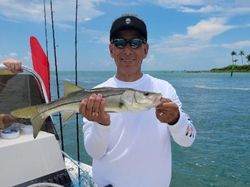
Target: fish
x: 116, y: 100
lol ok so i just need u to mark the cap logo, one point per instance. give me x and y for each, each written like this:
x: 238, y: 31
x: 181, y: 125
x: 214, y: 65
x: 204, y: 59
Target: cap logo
x: 127, y: 20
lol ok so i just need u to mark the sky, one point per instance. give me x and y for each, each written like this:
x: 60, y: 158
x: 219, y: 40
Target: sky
x: 182, y: 34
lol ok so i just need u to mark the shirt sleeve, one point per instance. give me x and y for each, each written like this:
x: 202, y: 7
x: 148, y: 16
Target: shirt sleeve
x: 96, y: 138
x: 183, y: 132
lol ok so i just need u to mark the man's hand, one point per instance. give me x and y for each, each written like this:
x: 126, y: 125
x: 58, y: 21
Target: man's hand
x: 167, y: 112
x: 6, y: 120
x: 13, y: 65
x: 92, y: 109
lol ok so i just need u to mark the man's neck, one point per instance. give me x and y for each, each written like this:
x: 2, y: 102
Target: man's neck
x: 128, y: 77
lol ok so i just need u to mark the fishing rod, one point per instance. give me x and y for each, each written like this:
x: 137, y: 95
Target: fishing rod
x: 56, y: 71
x: 47, y: 55
x: 45, y: 28
x: 76, y: 83
x: 76, y: 77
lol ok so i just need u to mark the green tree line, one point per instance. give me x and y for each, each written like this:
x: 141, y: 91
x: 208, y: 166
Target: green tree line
x: 244, y: 66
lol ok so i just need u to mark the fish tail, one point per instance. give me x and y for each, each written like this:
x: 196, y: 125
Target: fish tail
x: 37, y: 122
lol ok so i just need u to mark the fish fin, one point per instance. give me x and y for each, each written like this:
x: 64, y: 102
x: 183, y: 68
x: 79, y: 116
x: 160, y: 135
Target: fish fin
x: 67, y: 115
x: 70, y: 88
x: 37, y: 122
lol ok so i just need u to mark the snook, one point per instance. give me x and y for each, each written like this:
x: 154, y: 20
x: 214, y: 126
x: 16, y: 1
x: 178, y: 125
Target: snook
x: 116, y: 100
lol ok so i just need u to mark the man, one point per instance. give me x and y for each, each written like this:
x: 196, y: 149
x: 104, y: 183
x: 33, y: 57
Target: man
x: 133, y: 149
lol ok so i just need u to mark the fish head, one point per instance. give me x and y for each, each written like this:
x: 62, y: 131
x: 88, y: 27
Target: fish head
x: 141, y: 100
x: 148, y: 99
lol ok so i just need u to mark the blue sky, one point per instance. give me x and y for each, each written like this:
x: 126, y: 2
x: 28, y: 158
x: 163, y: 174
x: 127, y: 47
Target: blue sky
x: 183, y: 34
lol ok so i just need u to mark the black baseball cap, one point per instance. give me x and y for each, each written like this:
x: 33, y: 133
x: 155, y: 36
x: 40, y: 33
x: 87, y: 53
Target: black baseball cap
x: 128, y: 22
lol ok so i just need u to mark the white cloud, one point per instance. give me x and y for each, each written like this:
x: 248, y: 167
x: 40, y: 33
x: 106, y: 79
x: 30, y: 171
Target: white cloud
x: 197, y: 37
x: 176, y: 3
x: 95, y: 35
x: 237, y: 45
x: 64, y: 10
x: 222, y: 8
x: 238, y: 10
x: 13, y: 55
x: 123, y: 3
x: 21, y: 10
x: 203, y: 9
x: 197, y: 43
x: 207, y: 29
x: 10, y: 55
x: 179, y: 44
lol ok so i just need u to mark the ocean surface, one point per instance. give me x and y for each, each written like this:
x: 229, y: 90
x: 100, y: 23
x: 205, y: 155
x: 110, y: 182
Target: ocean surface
x: 220, y: 109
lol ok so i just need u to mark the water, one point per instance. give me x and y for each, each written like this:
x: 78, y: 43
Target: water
x: 220, y: 109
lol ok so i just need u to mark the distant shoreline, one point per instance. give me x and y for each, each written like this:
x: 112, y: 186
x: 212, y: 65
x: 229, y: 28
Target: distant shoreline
x: 232, y: 68
x: 197, y: 71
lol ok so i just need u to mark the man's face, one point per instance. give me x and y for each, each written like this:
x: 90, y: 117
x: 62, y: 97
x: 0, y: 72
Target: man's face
x: 128, y: 59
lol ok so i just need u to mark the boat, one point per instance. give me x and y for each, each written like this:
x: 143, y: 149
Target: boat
x: 26, y: 161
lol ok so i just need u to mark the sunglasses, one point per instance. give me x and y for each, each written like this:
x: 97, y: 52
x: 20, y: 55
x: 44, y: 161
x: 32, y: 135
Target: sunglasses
x: 134, y: 42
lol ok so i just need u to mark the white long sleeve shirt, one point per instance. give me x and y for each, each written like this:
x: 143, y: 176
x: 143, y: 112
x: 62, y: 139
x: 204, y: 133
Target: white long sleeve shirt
x: 135, y: 149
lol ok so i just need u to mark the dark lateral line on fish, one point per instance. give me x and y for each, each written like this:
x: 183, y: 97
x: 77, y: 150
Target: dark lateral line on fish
x: 108, y: 95
x: 68, y: 103
x: 60, y: 105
